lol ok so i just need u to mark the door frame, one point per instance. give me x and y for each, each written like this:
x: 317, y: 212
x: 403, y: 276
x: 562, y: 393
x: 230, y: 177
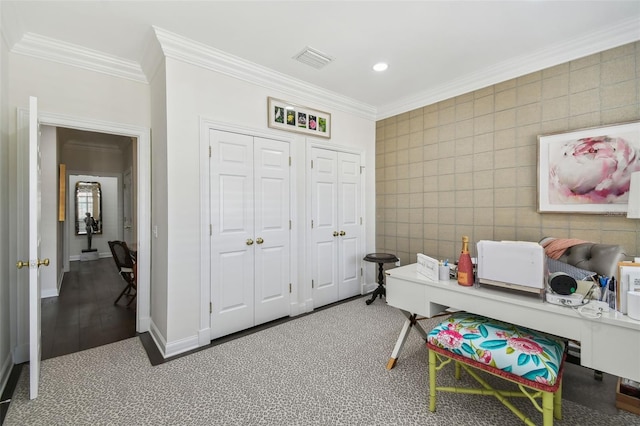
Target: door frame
x: 143, y: 158
x: 204, y: 332
x: 308, y: 276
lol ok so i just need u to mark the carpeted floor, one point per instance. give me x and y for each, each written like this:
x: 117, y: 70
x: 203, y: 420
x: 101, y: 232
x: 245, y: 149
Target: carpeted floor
x: 327, y: 368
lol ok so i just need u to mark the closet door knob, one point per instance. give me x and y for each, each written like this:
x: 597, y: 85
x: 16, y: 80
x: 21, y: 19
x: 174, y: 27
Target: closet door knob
x: 342, y: 233
x: 335, y: 233
x: 249, y: 242
x: 259, y: 240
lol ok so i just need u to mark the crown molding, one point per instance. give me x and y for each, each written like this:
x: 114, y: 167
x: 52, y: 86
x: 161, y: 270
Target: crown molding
x: 621, y: 33
x: 198, y: 54
x: 50, y: 49
x: 77, y: 145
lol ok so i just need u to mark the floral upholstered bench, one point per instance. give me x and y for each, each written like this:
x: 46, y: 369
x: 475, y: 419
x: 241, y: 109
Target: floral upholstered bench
x: 532, y: 360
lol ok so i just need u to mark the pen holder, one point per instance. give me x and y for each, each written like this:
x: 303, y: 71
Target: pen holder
x: 443, y: 272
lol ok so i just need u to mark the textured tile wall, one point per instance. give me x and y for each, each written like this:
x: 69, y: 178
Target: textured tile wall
x: 468, y: 165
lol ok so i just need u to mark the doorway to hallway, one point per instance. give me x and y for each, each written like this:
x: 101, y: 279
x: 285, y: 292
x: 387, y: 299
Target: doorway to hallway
x: 84, y: 315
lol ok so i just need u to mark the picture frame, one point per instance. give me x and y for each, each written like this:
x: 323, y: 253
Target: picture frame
x: 291, y: 117
x: 588, y: 170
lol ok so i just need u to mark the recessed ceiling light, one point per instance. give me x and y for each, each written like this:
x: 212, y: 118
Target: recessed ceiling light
x: 380, y: 66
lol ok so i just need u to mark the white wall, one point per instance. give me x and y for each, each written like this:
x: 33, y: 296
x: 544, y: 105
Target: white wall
x: 159, y: 295
x: 7, y: 313
x: 111, y: 216
x: 193, y: 92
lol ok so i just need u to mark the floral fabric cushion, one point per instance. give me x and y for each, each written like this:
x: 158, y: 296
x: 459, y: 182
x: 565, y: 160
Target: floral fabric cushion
x: 513, y: 349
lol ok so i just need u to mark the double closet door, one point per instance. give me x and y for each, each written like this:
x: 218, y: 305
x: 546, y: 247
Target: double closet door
x: 336, y: 225
x: 250, y: 231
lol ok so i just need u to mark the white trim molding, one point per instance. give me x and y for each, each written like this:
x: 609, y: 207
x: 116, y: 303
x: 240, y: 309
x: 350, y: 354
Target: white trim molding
x: 181, y: 48
x: 622, y: 33
x: 54, y: 50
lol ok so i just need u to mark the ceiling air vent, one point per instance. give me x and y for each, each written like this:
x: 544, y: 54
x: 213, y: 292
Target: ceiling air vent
x: 313, y: 58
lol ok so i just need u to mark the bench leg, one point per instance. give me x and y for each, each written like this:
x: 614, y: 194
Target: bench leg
x: 432, y: 381
x: 557, y: 403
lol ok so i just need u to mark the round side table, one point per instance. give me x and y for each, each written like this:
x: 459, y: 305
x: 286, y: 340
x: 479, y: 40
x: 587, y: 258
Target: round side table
x: 380, y: 259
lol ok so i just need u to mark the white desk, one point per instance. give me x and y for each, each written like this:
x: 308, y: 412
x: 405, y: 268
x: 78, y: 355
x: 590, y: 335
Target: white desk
x: 610, y: 343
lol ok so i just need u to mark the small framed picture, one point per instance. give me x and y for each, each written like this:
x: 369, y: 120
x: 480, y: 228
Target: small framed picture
x: 285, y: 115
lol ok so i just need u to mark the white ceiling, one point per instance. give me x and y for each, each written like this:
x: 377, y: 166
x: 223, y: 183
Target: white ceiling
x: 435, y: 49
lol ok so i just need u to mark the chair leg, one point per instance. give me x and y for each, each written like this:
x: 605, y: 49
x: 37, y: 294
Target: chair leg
x: 133, y: 297
x: 122, y: 294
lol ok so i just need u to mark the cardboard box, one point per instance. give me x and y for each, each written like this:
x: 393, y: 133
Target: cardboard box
x: 627, y: 402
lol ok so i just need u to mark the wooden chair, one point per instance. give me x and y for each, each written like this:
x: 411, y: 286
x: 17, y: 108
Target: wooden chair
x: 126, y: 268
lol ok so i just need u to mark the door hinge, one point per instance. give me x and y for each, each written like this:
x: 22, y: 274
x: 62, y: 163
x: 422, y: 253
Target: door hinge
x: 209, y: 152
x: 210, y: 229
x: 361, y: 167
x: 311, y: 223
x: 360, y: 220
x: 289, y: 287
x: 312, y: 164
x: 289, y: 161
x: 210, y: 307
x: 360, y: 271
x: 311, y: 283
x: 289, y: 225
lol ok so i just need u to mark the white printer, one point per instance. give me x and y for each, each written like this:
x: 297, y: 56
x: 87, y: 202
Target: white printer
x: 518, y: 265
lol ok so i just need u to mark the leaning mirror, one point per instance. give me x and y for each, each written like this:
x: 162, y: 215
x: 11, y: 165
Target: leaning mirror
x: 88, y: 208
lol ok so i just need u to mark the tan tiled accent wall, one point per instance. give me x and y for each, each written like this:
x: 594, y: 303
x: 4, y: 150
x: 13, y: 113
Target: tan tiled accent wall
x: 468, y: 165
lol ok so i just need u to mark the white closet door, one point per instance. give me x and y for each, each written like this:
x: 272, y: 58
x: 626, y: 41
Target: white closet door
x: 232, y: 220
x: 324, y: 233
x: 272, y: 234
x: 349, y: 197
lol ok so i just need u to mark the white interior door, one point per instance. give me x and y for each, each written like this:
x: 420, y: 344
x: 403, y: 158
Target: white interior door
x: 324, y: 232
x: 349, y: 256
x: 272, y: 233
x: 336, y: 225
x: 232, y: 233
x: 34, y: 249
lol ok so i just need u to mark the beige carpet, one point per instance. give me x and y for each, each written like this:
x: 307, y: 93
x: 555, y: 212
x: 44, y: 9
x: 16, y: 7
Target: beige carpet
x: 327, y: 368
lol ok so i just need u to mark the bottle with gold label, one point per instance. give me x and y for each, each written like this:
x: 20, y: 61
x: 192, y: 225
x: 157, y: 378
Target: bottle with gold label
x: 465, y: 267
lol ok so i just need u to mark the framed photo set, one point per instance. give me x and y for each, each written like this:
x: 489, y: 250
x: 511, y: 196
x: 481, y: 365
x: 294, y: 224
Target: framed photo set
x: 285, y: 115
x: 588, y: 170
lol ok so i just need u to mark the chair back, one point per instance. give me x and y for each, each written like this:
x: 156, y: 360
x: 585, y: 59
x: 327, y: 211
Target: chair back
x: 121, y: 254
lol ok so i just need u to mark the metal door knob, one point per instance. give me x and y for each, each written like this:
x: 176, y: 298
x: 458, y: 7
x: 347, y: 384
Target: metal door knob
x: 335, y: 233
x: 43, y: 262
x: 22, y: 264
x: 249, y: 242
x: 259, y: 240
x: 342, y: 233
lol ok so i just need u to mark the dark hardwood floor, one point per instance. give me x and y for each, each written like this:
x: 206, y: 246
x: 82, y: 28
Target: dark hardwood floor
x: 83, y: 316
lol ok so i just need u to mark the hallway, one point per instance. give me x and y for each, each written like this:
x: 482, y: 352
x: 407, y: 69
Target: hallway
x: 83, y: 316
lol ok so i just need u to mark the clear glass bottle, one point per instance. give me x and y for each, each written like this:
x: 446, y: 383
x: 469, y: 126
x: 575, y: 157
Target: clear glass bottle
x: 465, y: 267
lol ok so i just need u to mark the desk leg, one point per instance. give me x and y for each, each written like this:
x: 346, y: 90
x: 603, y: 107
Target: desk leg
x: 408, y: 324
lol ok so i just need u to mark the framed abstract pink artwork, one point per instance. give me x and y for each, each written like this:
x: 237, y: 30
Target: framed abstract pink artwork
x: 588, y: 170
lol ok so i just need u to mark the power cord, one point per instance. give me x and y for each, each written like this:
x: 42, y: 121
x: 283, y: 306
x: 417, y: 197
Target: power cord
x: 592, y: 310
